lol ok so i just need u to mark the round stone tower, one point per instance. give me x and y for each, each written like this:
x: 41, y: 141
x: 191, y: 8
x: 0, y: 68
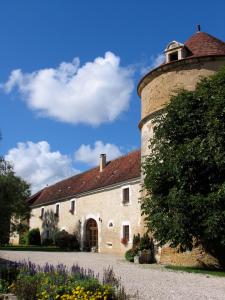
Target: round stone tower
x: 201, y: 55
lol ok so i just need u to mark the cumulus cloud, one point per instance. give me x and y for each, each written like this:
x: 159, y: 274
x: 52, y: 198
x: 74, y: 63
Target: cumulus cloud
x: 94, y: 93
x: 90, y: 155
x: 38, y: 165
x: 155, y: 62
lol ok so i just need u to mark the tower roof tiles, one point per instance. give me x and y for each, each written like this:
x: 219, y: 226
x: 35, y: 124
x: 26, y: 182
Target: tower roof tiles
x: 204, y: 44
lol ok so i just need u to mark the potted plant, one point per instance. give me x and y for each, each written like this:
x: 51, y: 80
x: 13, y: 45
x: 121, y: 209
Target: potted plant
x: 124, y: 241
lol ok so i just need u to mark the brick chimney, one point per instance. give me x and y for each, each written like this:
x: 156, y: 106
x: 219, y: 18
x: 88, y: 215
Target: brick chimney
x: 102, y: 161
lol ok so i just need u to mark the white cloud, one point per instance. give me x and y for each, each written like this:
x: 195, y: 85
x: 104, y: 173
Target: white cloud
x: 90, y: 156
x: 35, y: 163
x: 155, y: 62
x: 94, y: 93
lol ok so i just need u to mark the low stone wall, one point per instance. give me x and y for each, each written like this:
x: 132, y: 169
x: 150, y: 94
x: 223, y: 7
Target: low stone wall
x: 197, y: 257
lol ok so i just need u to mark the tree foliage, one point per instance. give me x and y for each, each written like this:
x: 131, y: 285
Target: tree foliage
x: 14, y: 209
x: 185, y: 172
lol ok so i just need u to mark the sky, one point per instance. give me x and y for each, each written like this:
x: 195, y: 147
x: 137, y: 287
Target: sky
x: 69, y: 72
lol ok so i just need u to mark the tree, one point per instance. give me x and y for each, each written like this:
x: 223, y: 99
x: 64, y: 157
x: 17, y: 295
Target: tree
x: 14, y: 209
x: 184, y: 179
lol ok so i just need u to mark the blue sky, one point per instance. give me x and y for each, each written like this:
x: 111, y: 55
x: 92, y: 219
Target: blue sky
x: 89, y: 99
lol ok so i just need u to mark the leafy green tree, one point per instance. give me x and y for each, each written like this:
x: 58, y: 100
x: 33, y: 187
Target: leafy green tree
x: 14, y: 210
x: 184, y: 179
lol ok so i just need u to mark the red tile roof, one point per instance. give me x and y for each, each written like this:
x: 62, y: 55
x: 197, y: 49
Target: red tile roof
x: 204, y: 44
x: 121, y: 169
x: 200, y: 44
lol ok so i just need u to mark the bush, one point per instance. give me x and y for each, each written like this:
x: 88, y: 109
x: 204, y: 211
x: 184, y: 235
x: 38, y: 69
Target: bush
x: 145, y: 242
x: 23, y: 239
x: 136, y: 240
x: 34, y: 237
x: 58, y: 282
x: 26, y: 287
x: 65, y: 240
x: 47, y: 242
x: 144, y: 246
x: 8, y: 274
x: 130, y: 254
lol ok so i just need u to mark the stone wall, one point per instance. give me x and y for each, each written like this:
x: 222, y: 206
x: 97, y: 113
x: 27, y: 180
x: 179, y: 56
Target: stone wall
x: 181, y: 74
x: 197, y: 257
x: 156, y: 89
x: 160, y: 86
x: 104, y: 206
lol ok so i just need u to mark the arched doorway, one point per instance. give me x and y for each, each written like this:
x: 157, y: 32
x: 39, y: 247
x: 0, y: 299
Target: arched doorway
x: 91, y: 234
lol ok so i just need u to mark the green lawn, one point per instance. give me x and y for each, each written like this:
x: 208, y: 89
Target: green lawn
x: 196, y: 270
x: 33, y: 248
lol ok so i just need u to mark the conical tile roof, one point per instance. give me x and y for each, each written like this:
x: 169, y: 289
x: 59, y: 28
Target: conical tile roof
x: 204, y: 44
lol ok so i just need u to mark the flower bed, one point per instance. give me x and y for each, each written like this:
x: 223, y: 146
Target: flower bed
x: 31, y: 282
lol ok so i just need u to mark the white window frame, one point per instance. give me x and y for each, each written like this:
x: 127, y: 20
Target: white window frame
x: 130, y: 194
x: 126, y: 223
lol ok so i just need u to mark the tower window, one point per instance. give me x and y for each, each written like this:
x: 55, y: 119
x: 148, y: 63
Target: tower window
x: 173, y: 56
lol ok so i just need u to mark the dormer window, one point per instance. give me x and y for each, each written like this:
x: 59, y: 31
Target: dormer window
x: 175, y: 51
x: 173, y: 56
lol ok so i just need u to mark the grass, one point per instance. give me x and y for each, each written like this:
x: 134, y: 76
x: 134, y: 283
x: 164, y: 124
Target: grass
x: 33, y: 248
x: 196, y: 270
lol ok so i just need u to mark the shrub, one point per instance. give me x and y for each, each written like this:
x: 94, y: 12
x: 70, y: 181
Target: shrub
x: 47, y: 242
x: 65, y: 240
x: 26, y: 287
x: 23, y: 239
x: 136, y: 240
x: 58, y: 282
x: 145, y: 242
x: 140, y: 244
x: 130, y: 254
x: 34, y: 237
x: 8, y: 274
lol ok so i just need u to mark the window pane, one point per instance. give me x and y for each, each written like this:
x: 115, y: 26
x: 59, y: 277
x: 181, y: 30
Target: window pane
x: 126, y: 196
x: 126, y: 232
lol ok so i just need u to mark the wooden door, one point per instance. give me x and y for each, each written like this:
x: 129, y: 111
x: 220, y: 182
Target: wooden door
x: 92, y: 233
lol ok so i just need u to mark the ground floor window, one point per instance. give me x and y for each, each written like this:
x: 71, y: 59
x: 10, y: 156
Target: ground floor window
x: 126, y: 232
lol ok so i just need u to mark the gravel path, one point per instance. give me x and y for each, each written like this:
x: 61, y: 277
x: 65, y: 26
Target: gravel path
x: 151, y: 281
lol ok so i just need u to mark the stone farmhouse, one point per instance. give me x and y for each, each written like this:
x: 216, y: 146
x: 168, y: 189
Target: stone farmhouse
x: 103, y: 203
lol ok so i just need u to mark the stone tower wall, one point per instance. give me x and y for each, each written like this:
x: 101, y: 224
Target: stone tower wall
x: 157, y: 88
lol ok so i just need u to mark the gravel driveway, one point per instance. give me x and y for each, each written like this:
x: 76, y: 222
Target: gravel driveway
x: 151, y: 281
